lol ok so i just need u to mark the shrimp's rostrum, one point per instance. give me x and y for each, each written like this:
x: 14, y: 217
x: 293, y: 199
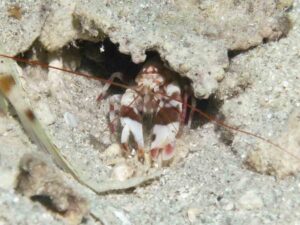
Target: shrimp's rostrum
x: 156, y: 98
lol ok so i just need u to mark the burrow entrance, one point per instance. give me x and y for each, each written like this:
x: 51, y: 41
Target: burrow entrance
x: 103, y: 59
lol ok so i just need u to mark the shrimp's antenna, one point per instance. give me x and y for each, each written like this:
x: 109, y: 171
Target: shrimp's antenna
x: 208, y: 117
x: 45, y: 65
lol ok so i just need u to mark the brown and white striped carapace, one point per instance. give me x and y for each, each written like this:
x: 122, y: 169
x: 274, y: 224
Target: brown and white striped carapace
x: 156, y: 98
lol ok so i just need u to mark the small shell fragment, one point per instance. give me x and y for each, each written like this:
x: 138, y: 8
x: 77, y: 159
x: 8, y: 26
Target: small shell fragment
x: 122, y: 172
x: 70, y: 119
x: 113, y: 150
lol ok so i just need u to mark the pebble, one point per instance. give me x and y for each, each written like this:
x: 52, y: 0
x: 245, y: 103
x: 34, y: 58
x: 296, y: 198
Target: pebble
x: 45, y: 114
x: 122, y: 172
x: 229, y: 206
x: 113, y: 150
x: 7, y: 179
x: 250, y: 200
x: 70, y: 119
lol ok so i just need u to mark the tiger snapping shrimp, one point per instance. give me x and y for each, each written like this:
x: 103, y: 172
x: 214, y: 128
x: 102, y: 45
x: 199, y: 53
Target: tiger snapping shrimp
x: 151, y: 115
x: 158, y: 99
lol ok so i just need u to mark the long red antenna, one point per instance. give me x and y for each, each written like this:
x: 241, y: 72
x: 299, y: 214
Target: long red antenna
x: 229, y: 127
x: 210, y: 118
x: 45, y: 65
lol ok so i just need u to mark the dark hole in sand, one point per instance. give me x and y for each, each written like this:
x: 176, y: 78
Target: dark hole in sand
x: 103, y: 59
x: 47, y: 202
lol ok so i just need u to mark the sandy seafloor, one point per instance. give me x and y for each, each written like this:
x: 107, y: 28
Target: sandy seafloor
x: 210, y: 184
